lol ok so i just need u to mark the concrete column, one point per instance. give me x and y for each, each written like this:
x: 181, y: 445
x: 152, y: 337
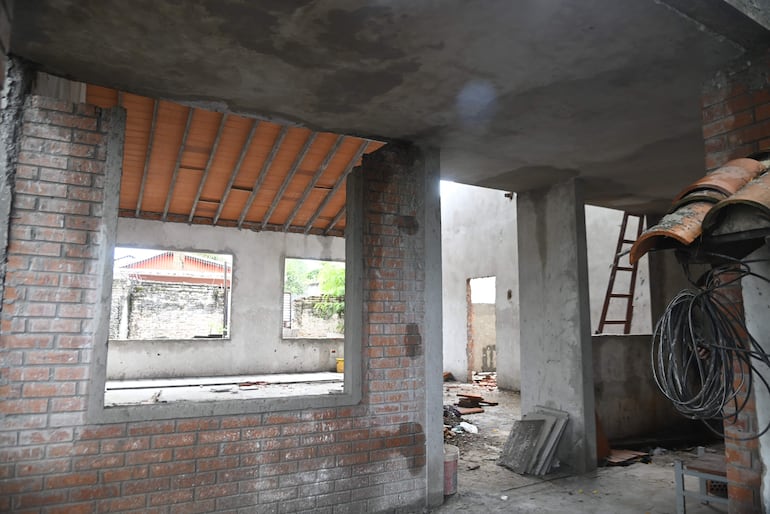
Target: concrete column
x: 756, y: 305
x: 16, y: 85
x: 556, y: 355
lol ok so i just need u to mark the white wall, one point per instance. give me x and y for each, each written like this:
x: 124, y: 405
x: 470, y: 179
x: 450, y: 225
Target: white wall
x: 255, y: 345
x: 478, y: 237
x: 479, y: 240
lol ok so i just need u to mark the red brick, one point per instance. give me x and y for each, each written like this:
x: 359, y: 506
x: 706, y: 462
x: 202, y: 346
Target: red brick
x: 125, y: 474
x: 29, y: 341
x: 45, y: 436
x: 146, y: 486
x: 41, y: 498
x: 217, y: 463
x: 71, y: 508
x: 98, y: 461
x: 122, y: 503
x: 196, y: 452
x: 24, y: 406
x: 63, y: 178
x: 33, y: 248
x: 71, y: 480
x: 172, y: 468
x: 102, y: 432
x: 70, y: 372
x: 47, y: 132
x: 214, y: 491
x: 87, y: 165
x: 92, y: 493
x: 219, y: 436
x: 54, y: 325
x: 68, y: 404
x: 70, y: 341
x: 46, y: 390
x: 145, y: 457
x: 164, y: 441
x: 42, y: 160
x: 169, y: 497
x: 46, y: 467
x: 150, y: 428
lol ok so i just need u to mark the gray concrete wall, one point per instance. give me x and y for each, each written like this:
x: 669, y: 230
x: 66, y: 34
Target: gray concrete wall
x: 479, y: 240
x: 256, y: 345
x: 627, y: 399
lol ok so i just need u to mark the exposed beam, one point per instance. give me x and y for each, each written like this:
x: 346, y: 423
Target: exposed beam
x: 174, y: 175
x: 147, y: 157
x: 262, y: 174
x: 206, y: 170
x: 314, y: 181
x: 236, y: 169
x: 337, y: 218
x: 289, y: 176
x: 337, y: 185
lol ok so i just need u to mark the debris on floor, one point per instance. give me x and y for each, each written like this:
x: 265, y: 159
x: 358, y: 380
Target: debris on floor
x: 449, y: 377
x: 625, y: 457
x: 532, y: 443
x: 486, y: 379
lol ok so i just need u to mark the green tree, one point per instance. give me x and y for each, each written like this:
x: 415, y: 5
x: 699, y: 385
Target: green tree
x: 296, y: 277
x: 331, y: 282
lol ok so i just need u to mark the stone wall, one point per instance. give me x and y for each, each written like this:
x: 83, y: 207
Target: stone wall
x: 163, y: 310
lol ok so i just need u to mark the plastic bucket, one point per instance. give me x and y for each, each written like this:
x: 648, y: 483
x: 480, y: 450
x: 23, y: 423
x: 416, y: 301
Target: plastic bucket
x: 451, y: 456
x: 340, y: 365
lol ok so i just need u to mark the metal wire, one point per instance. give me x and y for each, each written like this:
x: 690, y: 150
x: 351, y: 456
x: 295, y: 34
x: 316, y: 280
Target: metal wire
x: 703, y: 356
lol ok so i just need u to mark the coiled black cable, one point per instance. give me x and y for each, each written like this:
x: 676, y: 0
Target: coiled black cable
x: 703, y: 357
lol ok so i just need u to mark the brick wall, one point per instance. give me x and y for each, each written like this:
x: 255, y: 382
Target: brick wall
x: 736, y: 123
x: 364, y: 458
x: 736, y: 112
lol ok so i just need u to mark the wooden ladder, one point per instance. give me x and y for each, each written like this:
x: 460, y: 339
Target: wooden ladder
x: 625, y: 266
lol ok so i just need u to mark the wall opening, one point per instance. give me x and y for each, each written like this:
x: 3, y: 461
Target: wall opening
x: 167, y: 294
x: 313, y: 299
x: 482, y: 319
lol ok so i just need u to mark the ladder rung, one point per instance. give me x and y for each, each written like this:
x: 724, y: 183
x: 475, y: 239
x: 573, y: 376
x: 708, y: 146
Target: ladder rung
x: 615, y: 322
x: 620, y: 295
x: 629, y: 241
x: 624, y: 268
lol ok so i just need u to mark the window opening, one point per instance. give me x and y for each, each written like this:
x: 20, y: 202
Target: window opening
x: 313, y: 299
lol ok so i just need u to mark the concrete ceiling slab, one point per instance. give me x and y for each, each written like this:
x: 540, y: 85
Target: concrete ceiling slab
x: 516, y: 94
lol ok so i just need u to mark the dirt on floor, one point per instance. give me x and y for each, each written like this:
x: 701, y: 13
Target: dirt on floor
x: 484, y: 486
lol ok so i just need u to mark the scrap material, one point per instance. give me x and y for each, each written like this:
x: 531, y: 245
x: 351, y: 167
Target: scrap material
x: 521, y: 445
x: 532, y: 443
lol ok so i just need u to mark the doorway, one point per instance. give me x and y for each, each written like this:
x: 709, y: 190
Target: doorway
x: 482, y: 333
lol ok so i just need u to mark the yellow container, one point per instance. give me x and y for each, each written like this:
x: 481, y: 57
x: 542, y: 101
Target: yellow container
x: 340, y: 365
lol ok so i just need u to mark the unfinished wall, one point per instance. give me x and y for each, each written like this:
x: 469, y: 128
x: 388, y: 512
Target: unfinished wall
x: 628, y: 401
x: 736, y: 123
x: 369, y: 457
x: 479, y: 240
x: 256, y: 344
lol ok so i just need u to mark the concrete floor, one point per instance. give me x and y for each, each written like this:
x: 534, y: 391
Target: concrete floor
x: 201, y: 389
x: 483, y: 486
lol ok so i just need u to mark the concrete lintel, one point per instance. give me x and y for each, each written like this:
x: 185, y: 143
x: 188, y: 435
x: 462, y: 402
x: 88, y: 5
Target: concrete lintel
x: 556, y: 353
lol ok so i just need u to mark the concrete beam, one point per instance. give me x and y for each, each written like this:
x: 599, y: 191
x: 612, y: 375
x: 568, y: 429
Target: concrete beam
x: 556, y: 353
